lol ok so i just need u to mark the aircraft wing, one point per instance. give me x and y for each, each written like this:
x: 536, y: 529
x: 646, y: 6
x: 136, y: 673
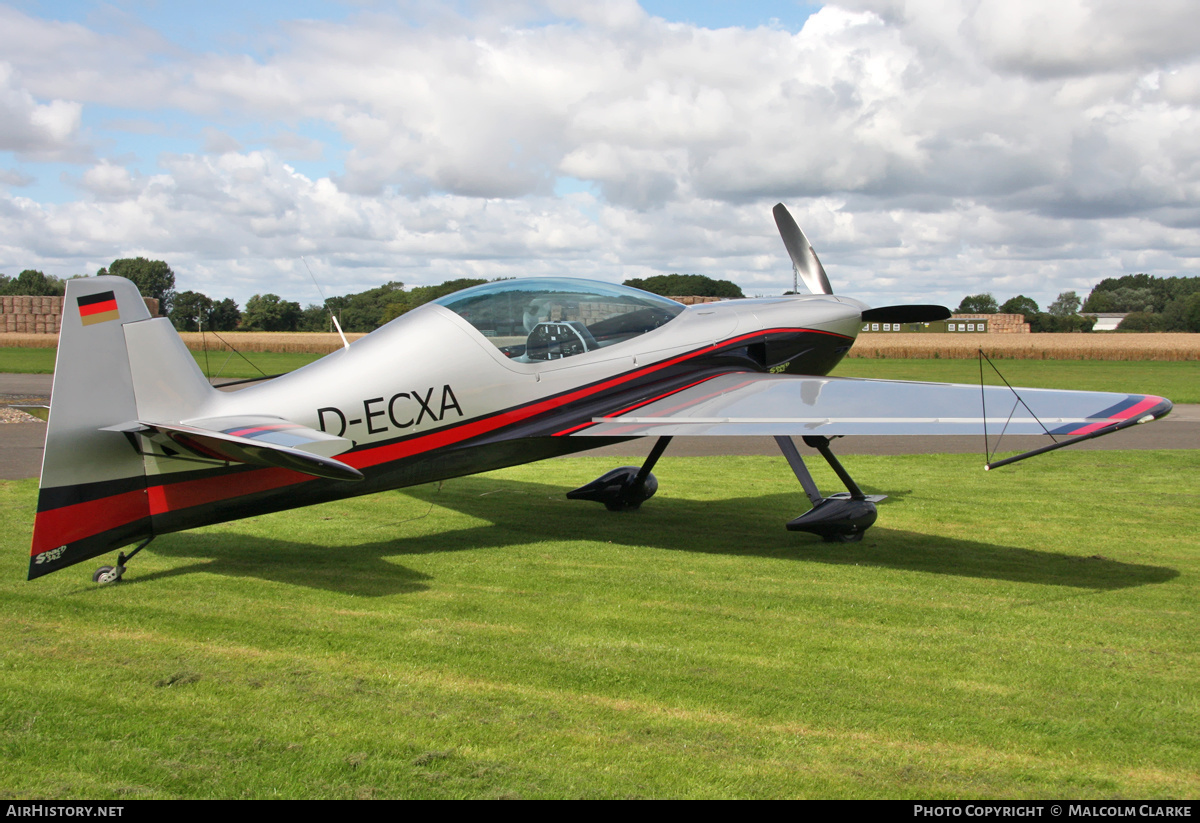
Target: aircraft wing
x: 777, y: 404
x: 262, y: 441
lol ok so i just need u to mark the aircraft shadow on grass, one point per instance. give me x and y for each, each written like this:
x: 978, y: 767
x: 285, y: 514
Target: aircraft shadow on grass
x: 520, y: 513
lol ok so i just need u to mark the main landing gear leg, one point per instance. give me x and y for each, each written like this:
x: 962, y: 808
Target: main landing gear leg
x: 625, y: 488
x: 111, y: 574
x: 839, y: 518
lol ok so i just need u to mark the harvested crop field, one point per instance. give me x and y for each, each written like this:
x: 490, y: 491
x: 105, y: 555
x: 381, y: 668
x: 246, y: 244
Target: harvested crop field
x: 1028, y: 346
x: 285, y: 342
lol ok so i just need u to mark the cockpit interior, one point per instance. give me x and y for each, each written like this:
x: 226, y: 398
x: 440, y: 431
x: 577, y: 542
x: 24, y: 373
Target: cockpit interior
x: 541, y: 319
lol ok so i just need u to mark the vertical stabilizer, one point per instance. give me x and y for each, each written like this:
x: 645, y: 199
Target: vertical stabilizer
x: 93, y: 487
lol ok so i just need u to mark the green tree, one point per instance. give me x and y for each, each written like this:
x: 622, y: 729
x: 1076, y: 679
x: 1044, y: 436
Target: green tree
x: 1141, y: 321
x: 1021, y: 304
x: 1182, y: 314
x: 1046, y: 322
x: 977, y: 304
x: 1065, y: 305
x: 420, y: 295
x: 270, y: 312
x: 1129, y: 293
x: 153, y: 278
x: 32, y: 282
x: 365, y: 311
x: 191, y: 311
x: 1122, y: 300
x: 314, y: 318
x: 224, y: 316
x: 686, y: 285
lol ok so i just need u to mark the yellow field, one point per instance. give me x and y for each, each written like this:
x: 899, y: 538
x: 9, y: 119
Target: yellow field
x: 953, y: 346
x: 300, y: 341
x: 869, y: 345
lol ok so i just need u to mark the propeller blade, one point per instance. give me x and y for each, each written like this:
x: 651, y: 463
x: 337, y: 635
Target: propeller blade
x: 804, y: 259
x: 906, y: 314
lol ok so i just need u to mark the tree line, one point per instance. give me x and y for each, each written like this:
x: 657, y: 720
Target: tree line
x: 358, y: 312
x: 1061, y: 316
x: 1152, y: 304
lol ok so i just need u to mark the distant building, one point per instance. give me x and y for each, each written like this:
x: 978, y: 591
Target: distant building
x: 958, y: 323
x: 1106, y: 320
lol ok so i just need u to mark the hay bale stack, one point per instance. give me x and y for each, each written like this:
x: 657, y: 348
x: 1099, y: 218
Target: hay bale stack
x: 30, y: 314
x: 999, y: 323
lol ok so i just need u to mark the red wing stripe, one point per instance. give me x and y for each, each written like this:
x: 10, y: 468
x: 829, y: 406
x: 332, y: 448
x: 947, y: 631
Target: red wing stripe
x: 1136, y: 409
x: 256, y: 429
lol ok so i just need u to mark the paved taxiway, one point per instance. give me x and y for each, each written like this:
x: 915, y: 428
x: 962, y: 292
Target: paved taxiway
x: 21, y: 443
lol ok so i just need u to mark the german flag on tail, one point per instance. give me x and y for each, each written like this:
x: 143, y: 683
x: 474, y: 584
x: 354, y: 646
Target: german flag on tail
x: 98, y: 308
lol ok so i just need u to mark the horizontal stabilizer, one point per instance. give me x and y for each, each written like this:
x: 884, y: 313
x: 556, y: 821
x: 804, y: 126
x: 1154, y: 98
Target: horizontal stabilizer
x: 770, y: 404
x: 260, y: 441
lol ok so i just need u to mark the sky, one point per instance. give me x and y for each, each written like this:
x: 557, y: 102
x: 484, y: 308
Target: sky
x: 930, y: 149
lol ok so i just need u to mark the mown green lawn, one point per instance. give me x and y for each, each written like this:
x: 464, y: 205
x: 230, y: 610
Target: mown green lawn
x: 14, y: 360
x: 1028, y: 632
x: 1176, y: 380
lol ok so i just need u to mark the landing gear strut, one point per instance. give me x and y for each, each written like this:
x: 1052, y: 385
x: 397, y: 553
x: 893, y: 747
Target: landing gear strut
x: 626, y: 488
x: 839, y: 518
x: 111, y: 574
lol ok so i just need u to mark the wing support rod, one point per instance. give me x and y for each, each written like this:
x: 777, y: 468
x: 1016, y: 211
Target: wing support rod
x: 987, y: 453
x: 792, y: 455
x: 1124, y: 424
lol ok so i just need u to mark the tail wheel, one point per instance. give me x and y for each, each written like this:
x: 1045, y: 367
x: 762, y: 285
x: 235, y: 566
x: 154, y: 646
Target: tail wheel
x: 108, y: 574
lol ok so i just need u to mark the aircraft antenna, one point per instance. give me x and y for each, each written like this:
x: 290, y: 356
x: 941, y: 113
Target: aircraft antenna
x: 325, y: 300
x: 338, y: 326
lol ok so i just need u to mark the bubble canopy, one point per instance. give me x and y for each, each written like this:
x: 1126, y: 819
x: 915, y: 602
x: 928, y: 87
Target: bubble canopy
x: 551, y: 318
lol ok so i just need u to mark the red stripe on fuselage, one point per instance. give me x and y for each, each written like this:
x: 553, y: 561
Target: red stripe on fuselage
x: 637, y: 405
x: 58, y: 527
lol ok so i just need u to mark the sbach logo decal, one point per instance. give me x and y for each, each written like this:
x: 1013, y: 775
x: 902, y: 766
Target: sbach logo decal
x: 403, y: 410
x: 50, y: 556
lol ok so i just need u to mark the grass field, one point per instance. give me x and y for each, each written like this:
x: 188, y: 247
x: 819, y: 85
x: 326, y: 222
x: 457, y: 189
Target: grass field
x: 218, y: 364
x: 1029, y: 632
x: 1179, y: 380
